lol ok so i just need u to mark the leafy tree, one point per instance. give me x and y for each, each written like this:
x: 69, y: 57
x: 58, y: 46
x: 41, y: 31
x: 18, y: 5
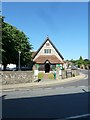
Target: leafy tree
x: 0, y: 51
x: 80, y: 61
x: 13, y: 41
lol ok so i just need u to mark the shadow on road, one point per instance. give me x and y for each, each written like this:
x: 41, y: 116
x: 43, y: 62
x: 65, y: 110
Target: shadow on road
x: 54, y: 107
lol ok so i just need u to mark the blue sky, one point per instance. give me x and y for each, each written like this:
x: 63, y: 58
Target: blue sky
x: 66, y: 24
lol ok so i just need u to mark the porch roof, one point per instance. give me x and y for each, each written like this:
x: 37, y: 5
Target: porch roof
x: 51, y: 58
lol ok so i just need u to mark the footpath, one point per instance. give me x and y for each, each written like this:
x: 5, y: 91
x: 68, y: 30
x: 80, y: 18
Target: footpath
x: 45, y: 83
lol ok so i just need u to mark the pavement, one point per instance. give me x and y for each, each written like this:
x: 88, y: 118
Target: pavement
x: 44, y: 83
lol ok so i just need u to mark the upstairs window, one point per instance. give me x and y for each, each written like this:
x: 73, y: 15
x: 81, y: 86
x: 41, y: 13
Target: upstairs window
x: 47, y: 44
x: 47, y: 51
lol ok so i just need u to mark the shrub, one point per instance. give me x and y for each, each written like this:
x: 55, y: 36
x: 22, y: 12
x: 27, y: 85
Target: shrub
x: 51, y: 76
x: 73, y: 75
x: 40, y: 75
x: 63, y: 68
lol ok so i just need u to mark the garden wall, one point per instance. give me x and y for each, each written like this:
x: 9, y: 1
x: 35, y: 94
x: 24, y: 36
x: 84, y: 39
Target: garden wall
x: 70, y: 73
x: 15, y: 77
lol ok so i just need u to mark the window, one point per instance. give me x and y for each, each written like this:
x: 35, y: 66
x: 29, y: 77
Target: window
x: 47, y: 51
x: 47, y: 44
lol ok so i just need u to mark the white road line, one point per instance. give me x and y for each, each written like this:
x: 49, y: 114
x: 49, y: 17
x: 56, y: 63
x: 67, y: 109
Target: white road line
x: 59, y: 88
x: 86, y: 77
x: 75, y: 117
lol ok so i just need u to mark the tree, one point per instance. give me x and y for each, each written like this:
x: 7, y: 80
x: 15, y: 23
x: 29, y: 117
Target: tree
x: 14, y: 40
x: 80, y: 61
x: 1, y: 50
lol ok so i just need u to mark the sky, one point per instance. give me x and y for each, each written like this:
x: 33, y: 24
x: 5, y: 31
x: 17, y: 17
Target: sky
x: 66, y: 24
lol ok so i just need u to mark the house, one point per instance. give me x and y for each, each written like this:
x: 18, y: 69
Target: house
x: 47, y: 57
x: 67, y: 64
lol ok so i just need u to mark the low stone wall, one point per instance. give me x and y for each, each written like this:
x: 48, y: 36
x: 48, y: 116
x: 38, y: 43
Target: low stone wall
x: 15, y: 77
x: 69, y: 73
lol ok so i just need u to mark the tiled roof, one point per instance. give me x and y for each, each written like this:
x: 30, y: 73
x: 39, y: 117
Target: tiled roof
x: 51, y: 58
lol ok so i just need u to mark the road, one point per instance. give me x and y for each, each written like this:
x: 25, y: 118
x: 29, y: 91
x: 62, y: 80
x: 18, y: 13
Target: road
x: 60, y: 101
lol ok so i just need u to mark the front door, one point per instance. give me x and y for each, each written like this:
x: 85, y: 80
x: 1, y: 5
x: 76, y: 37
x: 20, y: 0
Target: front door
x: 47, y: 68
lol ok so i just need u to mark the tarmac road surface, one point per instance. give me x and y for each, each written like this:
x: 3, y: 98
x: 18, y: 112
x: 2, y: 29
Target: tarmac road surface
x: 56, y: 102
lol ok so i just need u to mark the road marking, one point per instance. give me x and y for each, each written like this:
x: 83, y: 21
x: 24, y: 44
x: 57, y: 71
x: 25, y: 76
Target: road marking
x: 86, y: 77
x: 75, y: 117
x: 84, y: 90
x: 59, y: 88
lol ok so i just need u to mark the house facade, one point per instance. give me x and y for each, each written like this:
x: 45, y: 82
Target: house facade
x: 47, y: 57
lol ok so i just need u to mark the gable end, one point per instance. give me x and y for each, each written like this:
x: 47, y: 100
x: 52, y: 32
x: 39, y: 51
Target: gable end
x: 53, y: 47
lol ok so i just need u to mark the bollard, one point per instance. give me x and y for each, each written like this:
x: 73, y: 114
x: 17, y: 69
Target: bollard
x: 54, y: 75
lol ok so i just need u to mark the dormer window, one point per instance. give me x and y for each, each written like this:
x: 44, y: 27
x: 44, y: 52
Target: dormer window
x: 47, y: 51
x: 47, y: 44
